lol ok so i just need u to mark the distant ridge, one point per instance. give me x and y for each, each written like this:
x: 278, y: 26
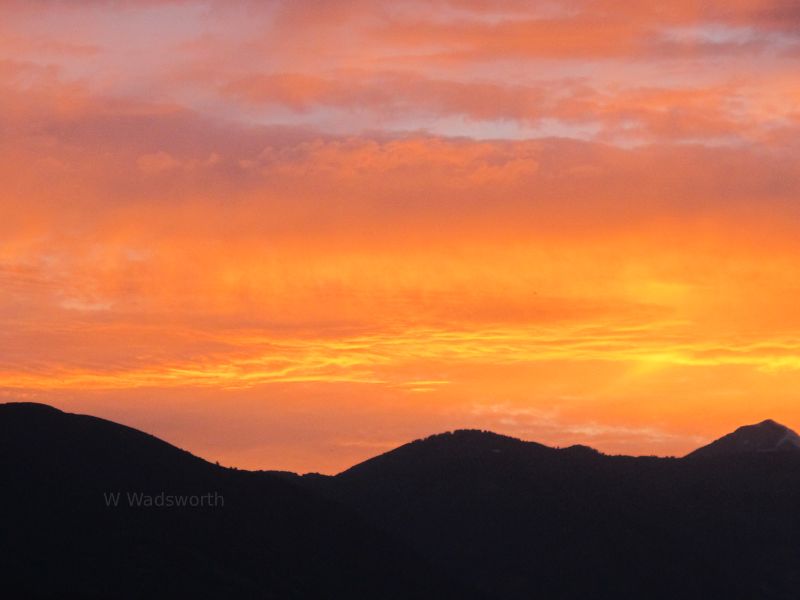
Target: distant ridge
x: 464, y: 514
x: 263, y: 536
x: 520, y: 520
x: 766, y: 436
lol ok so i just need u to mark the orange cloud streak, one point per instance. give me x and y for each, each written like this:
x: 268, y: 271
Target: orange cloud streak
x: 292, y: 237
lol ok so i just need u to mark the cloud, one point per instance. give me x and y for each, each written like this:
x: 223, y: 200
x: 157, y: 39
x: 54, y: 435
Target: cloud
x: 355, y: 217
x: 717, y: 113
x: 156, y: 162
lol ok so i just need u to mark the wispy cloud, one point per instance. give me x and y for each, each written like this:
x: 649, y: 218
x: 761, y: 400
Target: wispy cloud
x: 361, y: 220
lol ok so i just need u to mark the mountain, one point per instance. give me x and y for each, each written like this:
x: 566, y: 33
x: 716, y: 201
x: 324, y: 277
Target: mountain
x: 521, y: 520
x: 466, y: 514
x: 253, y: 535
x: 767, y: 436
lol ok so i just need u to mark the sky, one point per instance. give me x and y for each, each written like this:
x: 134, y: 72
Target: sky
x: 296, y: 234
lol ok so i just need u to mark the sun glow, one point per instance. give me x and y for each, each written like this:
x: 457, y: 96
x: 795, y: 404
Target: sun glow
x: 379, y: 223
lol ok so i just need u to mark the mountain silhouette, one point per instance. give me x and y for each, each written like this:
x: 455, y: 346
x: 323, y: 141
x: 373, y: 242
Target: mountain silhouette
x: 257, y: 535
x: 465, y: 514
x: 767, y: 436
x: 517, y: 519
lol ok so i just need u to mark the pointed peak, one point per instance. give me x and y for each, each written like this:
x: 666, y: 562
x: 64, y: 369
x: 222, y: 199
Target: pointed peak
x: 768, y: 423
x: 767, y: 426
x: 766, y: 436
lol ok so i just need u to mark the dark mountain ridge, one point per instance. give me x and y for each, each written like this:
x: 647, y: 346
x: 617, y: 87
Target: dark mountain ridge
x: 518, y: 519
x: 456, y: 515
x: 255, y: 535
x: 767, y: 436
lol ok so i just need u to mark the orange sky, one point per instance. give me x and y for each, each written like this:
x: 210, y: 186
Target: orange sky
x: 296, y: 234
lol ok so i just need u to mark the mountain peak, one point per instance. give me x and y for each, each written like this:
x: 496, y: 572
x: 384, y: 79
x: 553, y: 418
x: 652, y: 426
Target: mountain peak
x: 27, y: 408
x: 766, y: 436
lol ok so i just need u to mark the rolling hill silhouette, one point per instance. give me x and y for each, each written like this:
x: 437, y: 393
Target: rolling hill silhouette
x: 257, y: 535
x: 520, y: 520
x: 456, y: 515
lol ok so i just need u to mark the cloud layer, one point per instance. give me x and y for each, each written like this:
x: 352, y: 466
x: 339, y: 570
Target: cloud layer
x: 292, y: 234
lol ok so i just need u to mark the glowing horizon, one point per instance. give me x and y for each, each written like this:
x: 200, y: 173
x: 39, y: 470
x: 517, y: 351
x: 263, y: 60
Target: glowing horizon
x: 292, y: 235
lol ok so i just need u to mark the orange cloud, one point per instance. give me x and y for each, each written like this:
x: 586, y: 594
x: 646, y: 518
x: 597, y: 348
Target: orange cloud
x: 289, y: 236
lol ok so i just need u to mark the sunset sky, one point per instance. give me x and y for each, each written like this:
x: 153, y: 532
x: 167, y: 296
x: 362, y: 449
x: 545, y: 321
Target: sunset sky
x: 293, y: 235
